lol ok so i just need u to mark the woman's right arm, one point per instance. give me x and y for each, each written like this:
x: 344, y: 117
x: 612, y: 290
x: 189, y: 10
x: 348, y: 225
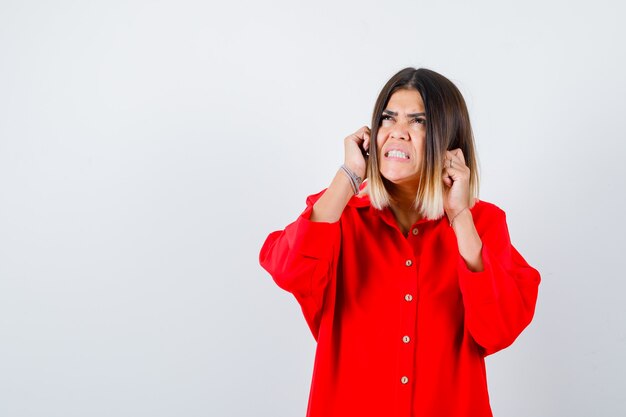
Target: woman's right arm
x: 303, y: 257
x: 330, y: 205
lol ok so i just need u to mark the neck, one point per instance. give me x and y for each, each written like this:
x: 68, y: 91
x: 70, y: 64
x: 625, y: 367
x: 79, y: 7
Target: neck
x: 403, y: 205
x: 403, y: 195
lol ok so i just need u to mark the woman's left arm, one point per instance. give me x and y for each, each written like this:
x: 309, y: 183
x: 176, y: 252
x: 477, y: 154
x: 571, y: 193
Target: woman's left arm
x: 498, y: 286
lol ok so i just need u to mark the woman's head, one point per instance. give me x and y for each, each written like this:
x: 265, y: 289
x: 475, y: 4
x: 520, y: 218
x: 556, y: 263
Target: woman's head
x: 418, y: 116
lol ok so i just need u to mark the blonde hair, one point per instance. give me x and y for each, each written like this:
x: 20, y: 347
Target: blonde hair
x: 447, y: 127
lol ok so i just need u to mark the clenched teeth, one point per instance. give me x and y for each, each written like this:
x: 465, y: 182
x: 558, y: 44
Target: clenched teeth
x: 397, y: 154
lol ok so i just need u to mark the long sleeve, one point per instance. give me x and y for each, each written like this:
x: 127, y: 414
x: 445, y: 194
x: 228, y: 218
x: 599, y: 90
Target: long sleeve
x: 499, y: 301
x: 302, y: 259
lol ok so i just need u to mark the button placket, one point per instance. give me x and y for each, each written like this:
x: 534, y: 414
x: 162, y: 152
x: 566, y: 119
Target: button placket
x: 407, y: 349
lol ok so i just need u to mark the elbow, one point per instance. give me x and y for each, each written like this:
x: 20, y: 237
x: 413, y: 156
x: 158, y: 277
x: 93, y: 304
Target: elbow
x: 491, y: 345
x: 499, y: 334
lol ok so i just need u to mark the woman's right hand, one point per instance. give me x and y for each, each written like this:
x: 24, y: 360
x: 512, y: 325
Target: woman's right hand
x: 331, y: 204
x: 354, y: 145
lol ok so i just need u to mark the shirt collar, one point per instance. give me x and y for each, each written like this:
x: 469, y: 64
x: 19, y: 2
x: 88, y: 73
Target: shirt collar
x: 363, y: 200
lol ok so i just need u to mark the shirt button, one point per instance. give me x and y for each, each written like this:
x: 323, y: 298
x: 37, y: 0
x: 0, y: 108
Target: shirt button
x: 415, y: 231
x: 408, y: 297
x: 408, y: 262
x: 404, y: 380
x: 406, y: 339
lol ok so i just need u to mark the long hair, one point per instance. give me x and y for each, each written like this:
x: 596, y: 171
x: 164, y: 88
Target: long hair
x: 447, y: 127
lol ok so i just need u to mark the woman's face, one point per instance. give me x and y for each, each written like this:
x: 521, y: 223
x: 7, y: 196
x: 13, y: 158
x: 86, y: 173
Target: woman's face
x: 401, y: 138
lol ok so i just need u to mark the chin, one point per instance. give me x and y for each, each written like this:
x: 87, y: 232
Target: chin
x: 399, y: 180
x: 398, y: 177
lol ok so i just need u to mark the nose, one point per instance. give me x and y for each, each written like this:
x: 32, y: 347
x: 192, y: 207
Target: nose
x: 400, y: 131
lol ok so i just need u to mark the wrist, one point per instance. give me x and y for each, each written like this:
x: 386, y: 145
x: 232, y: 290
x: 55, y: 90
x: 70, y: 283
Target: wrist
x: 459, y: 215
x: 354, y: 178
x: 357, y: 168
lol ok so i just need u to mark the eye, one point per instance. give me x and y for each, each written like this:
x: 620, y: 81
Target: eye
x: 420, y: 120
x: 386, y: 120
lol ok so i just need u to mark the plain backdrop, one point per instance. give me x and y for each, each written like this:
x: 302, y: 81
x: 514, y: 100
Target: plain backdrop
x: 147, y: 148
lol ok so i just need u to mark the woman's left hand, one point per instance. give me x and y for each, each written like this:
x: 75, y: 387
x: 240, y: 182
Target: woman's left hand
x: 456, y: 176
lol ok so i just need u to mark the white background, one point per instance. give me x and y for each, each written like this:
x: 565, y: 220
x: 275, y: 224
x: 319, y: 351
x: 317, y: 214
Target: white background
x: 148, y: 147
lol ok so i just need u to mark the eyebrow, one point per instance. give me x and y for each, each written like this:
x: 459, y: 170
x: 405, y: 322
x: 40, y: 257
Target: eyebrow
x: 394, y: 114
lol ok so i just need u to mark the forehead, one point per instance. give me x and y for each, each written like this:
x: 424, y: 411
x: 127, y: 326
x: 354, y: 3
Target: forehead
x: 406, y: 101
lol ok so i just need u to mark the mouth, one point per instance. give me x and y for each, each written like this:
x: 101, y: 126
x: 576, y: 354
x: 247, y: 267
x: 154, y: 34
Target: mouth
x: 396, y: 154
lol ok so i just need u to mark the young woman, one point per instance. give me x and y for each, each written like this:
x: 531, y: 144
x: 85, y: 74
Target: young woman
x: 406, y: 281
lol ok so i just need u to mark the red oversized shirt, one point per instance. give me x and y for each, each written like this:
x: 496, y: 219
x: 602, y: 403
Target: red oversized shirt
x: 402, y: 325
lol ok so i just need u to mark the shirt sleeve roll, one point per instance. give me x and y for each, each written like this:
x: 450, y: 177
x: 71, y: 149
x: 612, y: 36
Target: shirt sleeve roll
x: 500, y: 300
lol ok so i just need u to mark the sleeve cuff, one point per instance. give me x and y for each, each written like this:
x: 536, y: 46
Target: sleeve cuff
x: 314, y: 239
x: 478, y: 287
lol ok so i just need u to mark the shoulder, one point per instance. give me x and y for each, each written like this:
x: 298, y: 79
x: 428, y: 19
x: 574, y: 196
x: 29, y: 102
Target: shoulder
x: 486, y: 208
x: 486, y: 215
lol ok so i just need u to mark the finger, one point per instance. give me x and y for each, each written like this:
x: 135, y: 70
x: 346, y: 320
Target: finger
x: 454, y: 169
x: 454, y: 160
x: 459, y: 153
x: 357, y: 137
x: 448, y: 163
x: 456, y: 155
x: 353, y: 138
